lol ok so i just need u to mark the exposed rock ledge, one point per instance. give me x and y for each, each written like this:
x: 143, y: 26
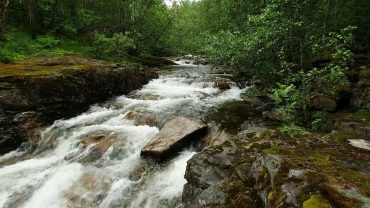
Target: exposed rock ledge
x: 175, y: 135
x: 266, y: 169
x: 35, y: 93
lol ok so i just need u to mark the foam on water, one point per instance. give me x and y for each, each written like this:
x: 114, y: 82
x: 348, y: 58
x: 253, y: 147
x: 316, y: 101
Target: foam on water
x: 62, y: 172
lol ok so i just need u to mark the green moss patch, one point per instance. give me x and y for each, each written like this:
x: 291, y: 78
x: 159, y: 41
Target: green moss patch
x: 316, y: 201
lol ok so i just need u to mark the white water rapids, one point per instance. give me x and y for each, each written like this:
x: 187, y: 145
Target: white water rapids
x: 64, y: 173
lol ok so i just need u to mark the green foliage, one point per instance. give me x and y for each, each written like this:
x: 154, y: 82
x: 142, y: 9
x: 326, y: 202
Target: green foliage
x: 322, y: 122
x: 254, y: 91
x: 20, y: 45
x: 292, y: 98
x: 118, y: 46
x: 288, y: 100
x: 6, y: 56
x: 293, y: 131
x: 47, y: 42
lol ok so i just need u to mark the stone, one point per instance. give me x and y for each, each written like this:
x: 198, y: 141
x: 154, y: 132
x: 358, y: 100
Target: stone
x: 265, y: 169
x: 322, y: 102
x: 142, y: 118
x: 99, y: 143
x: 222, y: 84
x: 216, y: 137
x: 258, y: 102
x: 360, y: 143
x: 175, y: 135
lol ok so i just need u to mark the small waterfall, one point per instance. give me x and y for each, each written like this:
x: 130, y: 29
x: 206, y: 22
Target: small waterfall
x: 93, y: 160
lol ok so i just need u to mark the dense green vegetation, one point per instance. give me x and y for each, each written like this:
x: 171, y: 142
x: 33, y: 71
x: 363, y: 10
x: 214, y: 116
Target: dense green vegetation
x: 301, y: 50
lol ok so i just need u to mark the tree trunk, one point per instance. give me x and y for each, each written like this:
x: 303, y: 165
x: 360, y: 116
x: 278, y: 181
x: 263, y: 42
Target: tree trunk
x: 3, y: 13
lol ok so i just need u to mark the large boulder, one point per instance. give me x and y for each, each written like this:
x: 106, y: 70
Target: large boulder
x: 175, y: 135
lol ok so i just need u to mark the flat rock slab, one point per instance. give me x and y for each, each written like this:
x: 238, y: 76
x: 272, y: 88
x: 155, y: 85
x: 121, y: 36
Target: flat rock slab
x: 175, y: 135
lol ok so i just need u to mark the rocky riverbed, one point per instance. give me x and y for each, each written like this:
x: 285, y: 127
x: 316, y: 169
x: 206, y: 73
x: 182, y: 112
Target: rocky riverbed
x: 35, y: 93
x: 213, y: 146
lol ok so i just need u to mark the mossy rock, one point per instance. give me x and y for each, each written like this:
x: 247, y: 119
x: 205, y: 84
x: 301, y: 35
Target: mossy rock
x: 316, y: 201
x: 231, y: 115
x: 323, y: 103
x: 365, y: 73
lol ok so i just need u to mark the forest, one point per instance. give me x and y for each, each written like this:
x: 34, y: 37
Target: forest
x: 296, y: 48
x: 185, y: 103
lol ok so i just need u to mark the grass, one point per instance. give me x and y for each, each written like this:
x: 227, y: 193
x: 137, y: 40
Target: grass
x: 19, y: 45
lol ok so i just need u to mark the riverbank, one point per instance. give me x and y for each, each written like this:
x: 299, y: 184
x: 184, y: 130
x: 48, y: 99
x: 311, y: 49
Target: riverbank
x: 35, y: 93
x: 260, y: 166
x: 257, y: 161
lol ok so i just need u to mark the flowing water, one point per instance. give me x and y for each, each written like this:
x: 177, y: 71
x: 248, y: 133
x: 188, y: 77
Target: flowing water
x: 93, y: 160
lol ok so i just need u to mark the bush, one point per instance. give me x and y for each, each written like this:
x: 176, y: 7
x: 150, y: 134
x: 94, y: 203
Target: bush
x: 47, y: 42
x: 293, y: 97
x: 6, y: 57
x: 118, y: 45
x: 288, y: 100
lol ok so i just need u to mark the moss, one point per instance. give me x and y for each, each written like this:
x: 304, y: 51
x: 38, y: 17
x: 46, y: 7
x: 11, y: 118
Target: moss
x: 239, y: 195
x: 276, y: 198
x: 316, y: 201
x: 338, y: 199
x: 365, y: 74
x: 232, y: 115
x: 361, y: 116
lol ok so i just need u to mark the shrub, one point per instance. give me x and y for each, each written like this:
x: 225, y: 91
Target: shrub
x: 6, y: 57
x: 118, y: 45
x: 288, y: 100
x: 47, y: 42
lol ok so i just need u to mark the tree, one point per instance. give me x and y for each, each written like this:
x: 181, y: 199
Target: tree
x: 3, y: 13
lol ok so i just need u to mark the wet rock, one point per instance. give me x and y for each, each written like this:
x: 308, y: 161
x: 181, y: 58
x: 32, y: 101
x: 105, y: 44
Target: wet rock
x: 222, y: 84
x: 142, y: 118
x: 89, y: 190
x: 176, y: 134
x: 149, y: 97
x: 97, y: 144
x: 138, y: 172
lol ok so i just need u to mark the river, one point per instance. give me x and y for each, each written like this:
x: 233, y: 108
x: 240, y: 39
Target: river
x: 66, y: 170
